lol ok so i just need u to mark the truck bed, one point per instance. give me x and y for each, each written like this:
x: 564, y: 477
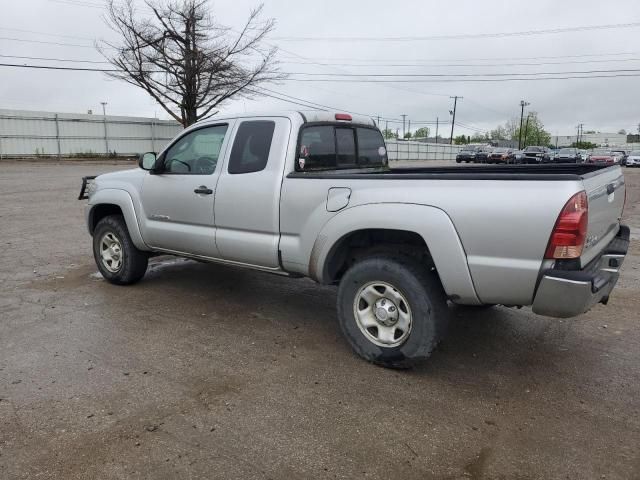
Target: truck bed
x: 469, y: 172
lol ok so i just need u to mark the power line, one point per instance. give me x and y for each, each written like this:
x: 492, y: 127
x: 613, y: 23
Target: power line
x: 489, y: 59
x: 43, y: 42
x: 68, y: 60
x: 50, y: 67
x: 463, y: 35
x: 457, y: 80
x: 36, y: 32
x: 500, y: 74
x: 464, y: 65
x: 584, y: 74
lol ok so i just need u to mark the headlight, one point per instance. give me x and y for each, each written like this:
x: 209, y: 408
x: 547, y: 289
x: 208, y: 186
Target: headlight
x: 92, y: 187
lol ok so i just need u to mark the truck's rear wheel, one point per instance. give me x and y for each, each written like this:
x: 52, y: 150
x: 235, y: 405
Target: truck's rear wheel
x: 392, y: 310
x: 117, y: 258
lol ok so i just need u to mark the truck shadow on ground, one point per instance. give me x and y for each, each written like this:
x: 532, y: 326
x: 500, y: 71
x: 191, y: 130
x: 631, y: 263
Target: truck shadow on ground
x: 487, y: 339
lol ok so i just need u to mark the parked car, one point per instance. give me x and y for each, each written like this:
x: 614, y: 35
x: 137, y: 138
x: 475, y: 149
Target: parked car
x: 501, y: 155
x: 483, y: 154
x: 605, y: 156
x: 518, y: 155
x: 568, y: 155
x: 548, y: 155
x: 310, y: 194
x: 633, y: 160
x: 467, y: 154
x: 533, y: 154
x: 622, y: 154
x: 584, y: 155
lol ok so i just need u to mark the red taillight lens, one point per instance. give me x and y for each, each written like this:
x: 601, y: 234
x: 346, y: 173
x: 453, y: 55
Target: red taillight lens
x: 570, y: 231
x: 343, y: 116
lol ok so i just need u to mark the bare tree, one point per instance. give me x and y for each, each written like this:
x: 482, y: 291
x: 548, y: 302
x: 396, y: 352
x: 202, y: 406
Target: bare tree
x: 185, y: 60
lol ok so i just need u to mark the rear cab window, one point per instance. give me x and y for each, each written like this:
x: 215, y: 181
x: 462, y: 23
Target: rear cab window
x: 339, y: 146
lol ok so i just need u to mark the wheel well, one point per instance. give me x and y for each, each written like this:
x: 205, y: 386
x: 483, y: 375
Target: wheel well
x: 363, y: 243
x: 100, y: 211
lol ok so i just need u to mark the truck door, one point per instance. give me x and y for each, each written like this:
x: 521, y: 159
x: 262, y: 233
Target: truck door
x: 247, y: 205
x: 178, y: 199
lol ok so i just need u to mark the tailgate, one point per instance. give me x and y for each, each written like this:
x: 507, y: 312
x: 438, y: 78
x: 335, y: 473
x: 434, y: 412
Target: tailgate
x: 606, y: 191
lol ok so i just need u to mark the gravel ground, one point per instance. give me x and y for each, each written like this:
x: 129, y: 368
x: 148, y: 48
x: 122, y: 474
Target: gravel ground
x: 204, y: 371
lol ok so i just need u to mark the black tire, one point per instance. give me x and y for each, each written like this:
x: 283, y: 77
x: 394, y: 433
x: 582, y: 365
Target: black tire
x: 133, y: 264
x: 426, y: 300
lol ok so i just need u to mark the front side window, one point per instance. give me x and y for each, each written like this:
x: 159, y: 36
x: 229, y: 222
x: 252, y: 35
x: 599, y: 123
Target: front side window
x: 196, y: 153
x: 251, y: 146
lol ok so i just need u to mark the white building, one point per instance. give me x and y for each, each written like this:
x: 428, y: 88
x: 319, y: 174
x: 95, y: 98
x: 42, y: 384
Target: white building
x: 600, y: 139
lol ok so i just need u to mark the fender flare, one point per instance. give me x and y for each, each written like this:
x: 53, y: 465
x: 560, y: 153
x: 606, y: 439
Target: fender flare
x: 431, y: 223
x: 122, y: 199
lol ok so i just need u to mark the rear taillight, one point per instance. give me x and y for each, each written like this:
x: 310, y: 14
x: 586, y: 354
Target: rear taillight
x: 570, y: 231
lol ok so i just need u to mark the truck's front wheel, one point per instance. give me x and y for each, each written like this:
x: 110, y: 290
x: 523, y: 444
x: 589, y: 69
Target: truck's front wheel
x: 117, y: 258
x: 392, y: 310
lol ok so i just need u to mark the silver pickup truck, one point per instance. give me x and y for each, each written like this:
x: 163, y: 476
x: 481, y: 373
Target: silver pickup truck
x: 311, y: 194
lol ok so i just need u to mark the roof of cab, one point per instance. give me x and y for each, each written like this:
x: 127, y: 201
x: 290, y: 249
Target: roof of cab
x: 306, y: 116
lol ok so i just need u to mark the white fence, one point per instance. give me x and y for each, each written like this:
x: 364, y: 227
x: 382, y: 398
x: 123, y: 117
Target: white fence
x: 27, y: 133
x: 406, y: 150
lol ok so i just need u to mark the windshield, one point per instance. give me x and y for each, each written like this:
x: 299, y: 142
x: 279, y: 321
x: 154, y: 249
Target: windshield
x: 635, y: 153
x: 602, y: 152
x: 568, y: 150
x: 533, y: 149
x: 500, y: 150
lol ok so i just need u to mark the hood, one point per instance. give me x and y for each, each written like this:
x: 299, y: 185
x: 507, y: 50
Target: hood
x: 128, y: 175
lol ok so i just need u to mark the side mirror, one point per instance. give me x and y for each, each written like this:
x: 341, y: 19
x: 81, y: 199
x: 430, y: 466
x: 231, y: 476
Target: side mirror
x: 147, y: 161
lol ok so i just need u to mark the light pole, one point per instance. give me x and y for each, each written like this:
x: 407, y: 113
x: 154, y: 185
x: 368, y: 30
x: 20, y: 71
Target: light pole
x: 404, y: 116
x: 522, y: 105
x: 526, y: 128
x: 104, y: 121
x: 453, y: 120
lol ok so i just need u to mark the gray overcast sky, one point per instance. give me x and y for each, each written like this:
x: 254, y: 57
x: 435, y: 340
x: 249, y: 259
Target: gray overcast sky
x: 604, y: 104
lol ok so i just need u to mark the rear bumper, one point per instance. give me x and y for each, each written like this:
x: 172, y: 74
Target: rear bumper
x: 567, y: 293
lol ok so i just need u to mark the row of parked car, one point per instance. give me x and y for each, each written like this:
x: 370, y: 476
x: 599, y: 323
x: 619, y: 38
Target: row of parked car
x: 536, y: 154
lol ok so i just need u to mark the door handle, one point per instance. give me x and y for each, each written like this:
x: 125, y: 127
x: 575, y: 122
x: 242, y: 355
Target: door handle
x: 203, y: 190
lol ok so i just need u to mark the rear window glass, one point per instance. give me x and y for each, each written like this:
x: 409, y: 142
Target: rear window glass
x: 251, y: 146
x: 324, y: 147
x: 346, y: 143
x: 371, y: 149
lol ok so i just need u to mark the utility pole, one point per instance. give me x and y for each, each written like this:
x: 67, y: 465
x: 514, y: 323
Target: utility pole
x: 522, y: 105
x: 378, y: 124
x: 526, y: 128
x: 386, y: 126
x: 579, y: 135
x: 409, y: 127
x: 104, y: 119
x: 403, y: 119
x: 437, y: 129
x: 453, y: 121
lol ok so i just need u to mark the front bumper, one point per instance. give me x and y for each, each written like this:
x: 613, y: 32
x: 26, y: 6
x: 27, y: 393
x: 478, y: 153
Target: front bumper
x: 567, y: 293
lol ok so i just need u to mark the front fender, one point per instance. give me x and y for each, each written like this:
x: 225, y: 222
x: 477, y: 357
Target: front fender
x: 431, y: 223
x: 121, y: 198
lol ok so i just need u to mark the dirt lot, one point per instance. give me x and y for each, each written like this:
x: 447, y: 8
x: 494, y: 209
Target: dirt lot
x: 203, y: 371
